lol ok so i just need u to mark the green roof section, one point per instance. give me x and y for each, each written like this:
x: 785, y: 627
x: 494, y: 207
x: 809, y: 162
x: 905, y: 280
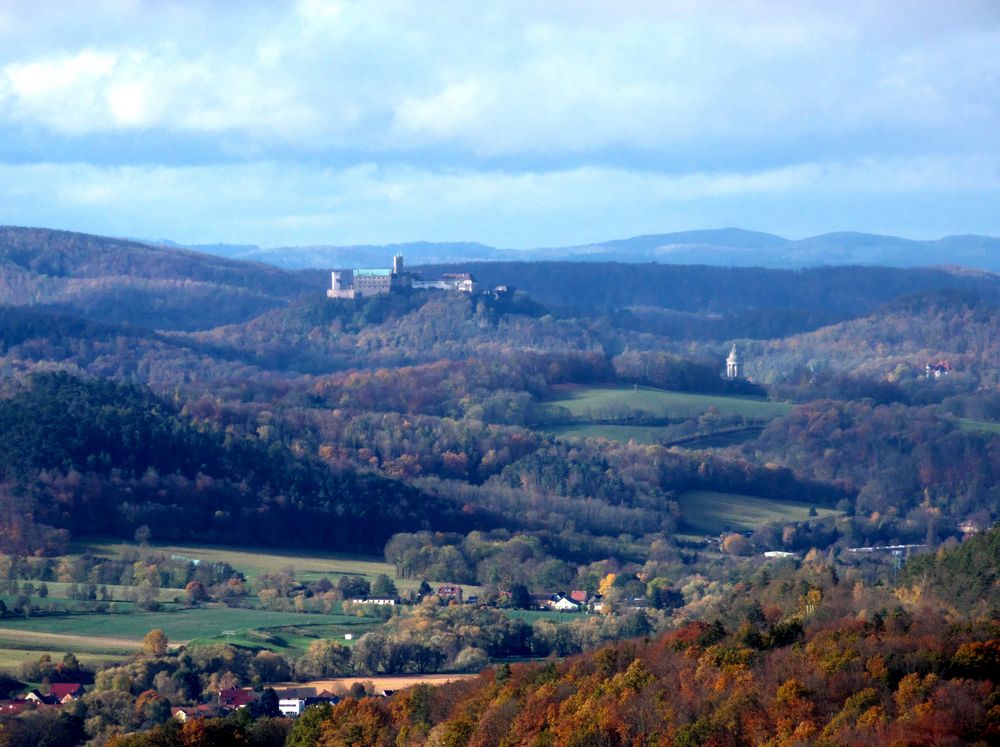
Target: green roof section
x: 374, y: 272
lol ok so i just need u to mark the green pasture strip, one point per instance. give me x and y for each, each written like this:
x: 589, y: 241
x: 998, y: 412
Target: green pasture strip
x: 650, y: 434
x: 293, y: 640
x: 712, y: 512
x: 593, y: 402
x: 533, y: 616
x: 41, y: 605
x: 978, y: 425
x: 643, y: 434
x: 11, y: 658
x: 179, y: 625
x: 58, y: 591
x: 81, y: 647
x: 254, y: 561
x: 309, y: 566
x: 117, y: 591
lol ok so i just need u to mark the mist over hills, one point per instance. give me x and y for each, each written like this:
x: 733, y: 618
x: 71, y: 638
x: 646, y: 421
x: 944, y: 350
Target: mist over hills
x: 726, y: 246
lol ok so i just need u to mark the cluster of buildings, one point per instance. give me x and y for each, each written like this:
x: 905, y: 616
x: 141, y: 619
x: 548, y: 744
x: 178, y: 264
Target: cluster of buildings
x: 937, y: 370
x: 367, y: 282
x: 59, y: 694
x: 291, y: 702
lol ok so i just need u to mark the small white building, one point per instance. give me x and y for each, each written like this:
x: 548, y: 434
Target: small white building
x: 564, y: 604
x: 291, y: 706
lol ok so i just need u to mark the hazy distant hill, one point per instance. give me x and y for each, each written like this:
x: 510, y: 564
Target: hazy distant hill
x: 115, y: 280
x: 725, y: 246
x: 331, y: 257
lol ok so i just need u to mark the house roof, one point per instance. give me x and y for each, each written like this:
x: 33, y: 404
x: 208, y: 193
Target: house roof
x: 236, y: 697
x: 61, y: 689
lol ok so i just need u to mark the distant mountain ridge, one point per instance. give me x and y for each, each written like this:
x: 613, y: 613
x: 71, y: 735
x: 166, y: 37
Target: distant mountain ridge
x: 726, y: 247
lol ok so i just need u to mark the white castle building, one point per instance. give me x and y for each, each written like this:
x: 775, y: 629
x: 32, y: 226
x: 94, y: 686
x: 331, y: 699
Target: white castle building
x: 362, y: 283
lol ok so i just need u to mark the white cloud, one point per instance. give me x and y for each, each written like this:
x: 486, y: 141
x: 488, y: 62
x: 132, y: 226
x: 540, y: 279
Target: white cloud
x: 519, y: 79
x: 516, y: 122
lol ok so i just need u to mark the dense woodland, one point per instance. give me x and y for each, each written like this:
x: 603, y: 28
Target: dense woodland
x: 193, y: 398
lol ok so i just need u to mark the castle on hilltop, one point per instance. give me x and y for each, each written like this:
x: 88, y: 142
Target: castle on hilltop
x: 363, y: 283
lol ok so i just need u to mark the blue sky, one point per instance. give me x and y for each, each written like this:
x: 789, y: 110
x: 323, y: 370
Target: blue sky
x: 513, y: 123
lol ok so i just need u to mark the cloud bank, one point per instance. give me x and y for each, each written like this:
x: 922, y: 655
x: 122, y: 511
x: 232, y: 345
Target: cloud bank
x: 528, y: 124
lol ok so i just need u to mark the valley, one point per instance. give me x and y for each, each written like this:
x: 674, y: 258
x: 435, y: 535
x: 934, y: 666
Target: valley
x: 298, y: 490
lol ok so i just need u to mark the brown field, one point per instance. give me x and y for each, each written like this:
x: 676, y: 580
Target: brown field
x: 380, y: 683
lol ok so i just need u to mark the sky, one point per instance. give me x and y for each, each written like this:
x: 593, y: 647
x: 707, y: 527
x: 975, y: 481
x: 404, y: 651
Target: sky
x: 517, y: 123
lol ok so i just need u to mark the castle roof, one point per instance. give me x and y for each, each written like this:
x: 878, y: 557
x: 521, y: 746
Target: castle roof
x: 379, y: 272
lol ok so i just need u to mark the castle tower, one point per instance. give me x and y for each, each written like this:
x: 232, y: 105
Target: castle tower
x: 397, y: 264
x: 734, y: 364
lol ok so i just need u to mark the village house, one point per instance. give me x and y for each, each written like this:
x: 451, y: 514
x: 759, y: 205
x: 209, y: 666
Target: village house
x: 15, y: 706
x: 183, y: 713
x: 37, y: 698
x: 449, y: 593
x: 937, y: 370
x: 291, y: 706
x: 565, y: 604
x: 235, y: 698
x: 65, y: 692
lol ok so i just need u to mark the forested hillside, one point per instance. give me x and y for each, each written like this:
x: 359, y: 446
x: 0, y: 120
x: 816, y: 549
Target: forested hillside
x: 114, y: 280
x: 103, y: 458
x: 703, y: 289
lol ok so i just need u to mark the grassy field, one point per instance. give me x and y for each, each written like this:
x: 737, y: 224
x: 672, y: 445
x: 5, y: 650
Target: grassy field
x: 294, y: 639
x: 308, y: 566
x: 106, y: 636
x: 650, y: 434
x: 978, y: 425
x: 179, y: 625
x: 601, y: 402
x: 643, y: 434
x: 709, y: 512
x: 11, y: 658
x: 533, y: 616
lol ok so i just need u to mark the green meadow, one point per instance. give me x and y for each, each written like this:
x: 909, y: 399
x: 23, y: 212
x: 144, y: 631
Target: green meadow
x: 598, y: 403
x: 710, y: 512
x: 978, y: 425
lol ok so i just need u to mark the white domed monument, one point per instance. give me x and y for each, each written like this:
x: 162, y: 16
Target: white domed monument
x: 734, y: 364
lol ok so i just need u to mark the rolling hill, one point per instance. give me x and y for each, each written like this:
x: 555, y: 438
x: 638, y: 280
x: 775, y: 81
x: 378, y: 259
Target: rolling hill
x: 119, y: 281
